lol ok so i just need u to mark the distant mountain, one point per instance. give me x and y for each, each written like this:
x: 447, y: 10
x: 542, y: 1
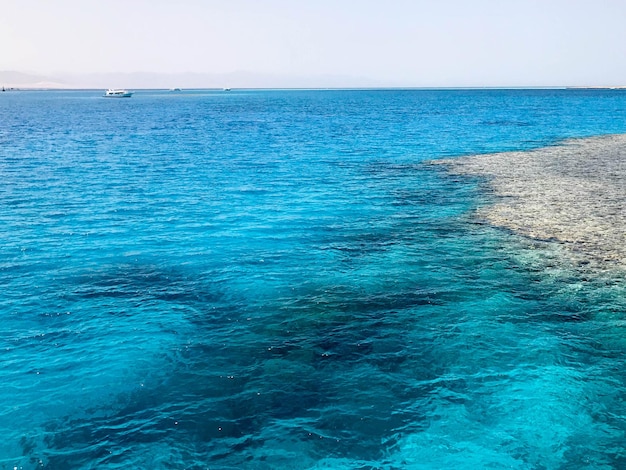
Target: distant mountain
x: 12, y: 79
x: 138, y: 80
x: 145, y: 80
x: 206, y: 80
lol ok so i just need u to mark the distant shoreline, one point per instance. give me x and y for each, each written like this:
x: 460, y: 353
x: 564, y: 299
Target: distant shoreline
x: 15, y: 87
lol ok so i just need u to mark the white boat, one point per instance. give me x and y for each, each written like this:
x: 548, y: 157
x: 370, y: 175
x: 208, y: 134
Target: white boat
x: 117, y: 93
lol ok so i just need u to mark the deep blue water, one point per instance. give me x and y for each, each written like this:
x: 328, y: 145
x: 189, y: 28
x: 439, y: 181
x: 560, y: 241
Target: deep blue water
x: 277, y: 279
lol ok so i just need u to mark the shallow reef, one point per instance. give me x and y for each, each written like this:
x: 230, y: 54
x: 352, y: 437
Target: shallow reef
x: 573, y: 194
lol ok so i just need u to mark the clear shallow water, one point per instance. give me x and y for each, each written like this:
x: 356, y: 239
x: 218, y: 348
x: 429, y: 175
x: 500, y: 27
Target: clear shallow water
x: 275, y: 279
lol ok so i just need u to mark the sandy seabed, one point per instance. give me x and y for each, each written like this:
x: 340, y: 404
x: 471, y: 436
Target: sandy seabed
x: 573, y: 194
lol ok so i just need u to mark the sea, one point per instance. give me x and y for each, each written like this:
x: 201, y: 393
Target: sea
x: 282, y: 279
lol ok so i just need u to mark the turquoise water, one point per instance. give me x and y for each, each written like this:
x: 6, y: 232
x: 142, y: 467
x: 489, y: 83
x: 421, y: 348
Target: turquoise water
x: 277, y: 279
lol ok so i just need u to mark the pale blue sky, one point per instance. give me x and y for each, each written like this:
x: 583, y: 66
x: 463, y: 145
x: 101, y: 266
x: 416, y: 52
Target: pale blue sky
x: 393, y: 42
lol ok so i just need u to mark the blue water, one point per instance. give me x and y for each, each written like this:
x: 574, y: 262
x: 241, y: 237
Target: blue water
x: 278, y: 279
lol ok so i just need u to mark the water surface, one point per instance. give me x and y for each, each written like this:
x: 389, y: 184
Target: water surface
x: 279, y: 279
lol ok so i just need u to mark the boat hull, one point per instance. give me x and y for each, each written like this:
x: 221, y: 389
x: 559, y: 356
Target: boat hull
x: 111, y: 93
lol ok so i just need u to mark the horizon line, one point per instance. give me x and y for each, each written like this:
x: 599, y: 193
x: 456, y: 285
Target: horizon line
x: 339, y: 88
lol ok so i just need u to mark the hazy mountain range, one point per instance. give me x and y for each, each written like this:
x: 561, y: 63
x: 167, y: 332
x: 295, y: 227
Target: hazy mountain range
x: 138, y: 80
